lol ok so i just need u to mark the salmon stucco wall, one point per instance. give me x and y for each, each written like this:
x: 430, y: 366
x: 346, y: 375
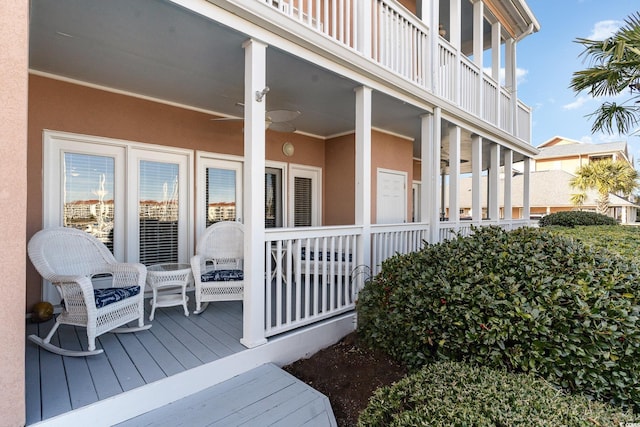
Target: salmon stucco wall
x: 394, y: 153
x: 339, y: 181
x: 67, y: 107
x: 14, y: 45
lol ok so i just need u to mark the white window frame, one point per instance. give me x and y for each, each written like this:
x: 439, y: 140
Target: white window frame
x: 315, y: 174
x: 285, y: 199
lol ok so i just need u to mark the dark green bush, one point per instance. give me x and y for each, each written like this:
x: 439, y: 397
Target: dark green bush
x: 457, y: 394
x: 573, y: 218
x: 623, y: 240
x: 524, y: 300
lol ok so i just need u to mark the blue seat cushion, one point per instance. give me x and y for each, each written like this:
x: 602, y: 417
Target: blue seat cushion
x: 222, y: 276
x: 323, y: 255
x: 108, y: 296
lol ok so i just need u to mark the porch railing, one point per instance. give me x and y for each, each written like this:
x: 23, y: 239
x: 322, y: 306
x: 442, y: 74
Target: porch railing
x: 397, y: 40
x: 315, y: 273
x: 309, y: 274
x: 389, y: 240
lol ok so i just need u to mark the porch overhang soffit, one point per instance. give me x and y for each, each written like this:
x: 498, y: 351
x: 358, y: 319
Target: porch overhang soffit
x: 515, y: 16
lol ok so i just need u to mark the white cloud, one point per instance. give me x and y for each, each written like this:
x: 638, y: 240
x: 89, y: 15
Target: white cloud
x: 521, y: 73
x: 577, y: 103
x: 604, y: 29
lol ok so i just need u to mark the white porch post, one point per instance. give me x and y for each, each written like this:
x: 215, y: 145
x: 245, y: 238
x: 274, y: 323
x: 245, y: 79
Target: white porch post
x: 478, y: 48
x: 433, y: 43
x: 496, y: 38
x: 476, y: 178
x: 526, y: 181
x: 508, y: 167
x: 363, y: 32
x: 363, y: 172
x: 454, y: 173
x: 434, y: 177
x: 426, y: 168
x: 494, y: 180
x: 253, y: 196
x: 455, y: 38
x: 510, y: 82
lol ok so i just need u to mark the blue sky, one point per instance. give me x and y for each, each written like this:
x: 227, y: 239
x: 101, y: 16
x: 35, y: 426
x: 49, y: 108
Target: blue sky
x: 547, y: 60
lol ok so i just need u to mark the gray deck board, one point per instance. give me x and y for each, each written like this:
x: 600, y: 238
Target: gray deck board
x: 55, y: 384
x: 264, y: 396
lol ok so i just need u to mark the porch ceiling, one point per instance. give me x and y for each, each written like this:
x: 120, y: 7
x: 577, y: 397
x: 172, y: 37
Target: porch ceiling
x: 158, y: 49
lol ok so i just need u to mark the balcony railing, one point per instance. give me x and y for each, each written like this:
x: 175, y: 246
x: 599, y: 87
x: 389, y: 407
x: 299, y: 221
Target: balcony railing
x: 397, y: 40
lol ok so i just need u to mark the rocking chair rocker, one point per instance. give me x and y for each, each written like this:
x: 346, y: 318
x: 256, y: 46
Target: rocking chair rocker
x: 69, y: 258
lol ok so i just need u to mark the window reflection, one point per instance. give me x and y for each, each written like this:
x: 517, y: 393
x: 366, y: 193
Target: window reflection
x: 88, y: 195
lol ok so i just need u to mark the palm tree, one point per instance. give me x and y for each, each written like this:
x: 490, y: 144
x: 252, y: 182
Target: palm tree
x: 615, y: 68
x: 605, y: 176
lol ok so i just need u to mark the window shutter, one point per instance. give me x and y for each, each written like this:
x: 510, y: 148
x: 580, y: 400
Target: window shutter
x: 303, y: 202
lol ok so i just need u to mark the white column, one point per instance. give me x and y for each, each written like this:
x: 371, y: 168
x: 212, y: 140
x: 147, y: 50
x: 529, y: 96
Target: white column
x: 476, y: 178
x: 496, y: 38
x: 494, y: 181
x: 455, y: 38
x: 363, y: 32
x: 508, y: 167
x: 526, y: 182
x: 434, y: 177
x: 455, y: 23
x: 478, y: 48
x: 510, y: 82
x: 426, y: 167
x: 363, y: 171
x: 454, y: 173
x: 433, y: 44
x: 253, y: 196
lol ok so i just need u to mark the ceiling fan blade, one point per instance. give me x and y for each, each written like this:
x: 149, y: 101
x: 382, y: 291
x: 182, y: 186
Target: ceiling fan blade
x: 282, y: 115
x: 222, y: 119
x: 282, y: 127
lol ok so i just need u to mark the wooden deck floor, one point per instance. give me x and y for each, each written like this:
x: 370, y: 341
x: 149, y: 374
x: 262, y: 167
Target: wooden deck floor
x: 175, y: 343
x: 264, y: 396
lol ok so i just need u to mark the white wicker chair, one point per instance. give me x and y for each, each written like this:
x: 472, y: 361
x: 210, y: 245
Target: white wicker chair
x: 69, y: 258
x: 218, y: 264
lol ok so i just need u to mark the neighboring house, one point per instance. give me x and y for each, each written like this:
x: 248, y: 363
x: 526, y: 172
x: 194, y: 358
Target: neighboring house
x: 549, y: 188
x: 562, y: 154
x: 341, y: 123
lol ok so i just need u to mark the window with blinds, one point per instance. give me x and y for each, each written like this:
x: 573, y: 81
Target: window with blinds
x: 303, y: 197
x: 273, y: 198
x: 220, y: 197
x: 158, y: 203
x: 88, y: 195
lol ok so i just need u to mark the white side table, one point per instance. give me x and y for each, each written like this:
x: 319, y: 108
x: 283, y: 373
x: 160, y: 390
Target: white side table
x: 169, y: 283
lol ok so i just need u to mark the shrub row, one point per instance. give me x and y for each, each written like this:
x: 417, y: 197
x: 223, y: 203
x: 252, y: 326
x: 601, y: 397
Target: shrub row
x: 574, y: 218
x: 525, y: 300
x: 623, y: 240
x: 457, y: 394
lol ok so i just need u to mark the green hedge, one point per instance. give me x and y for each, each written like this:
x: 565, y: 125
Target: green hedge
x: 457, y: 394
x: 525, y: 300
x: 623, y: 240
x: 574, y: 218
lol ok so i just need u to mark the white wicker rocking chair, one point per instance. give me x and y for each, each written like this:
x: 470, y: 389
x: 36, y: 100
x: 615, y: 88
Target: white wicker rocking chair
x: 218, y: 264
x: 69, y: 258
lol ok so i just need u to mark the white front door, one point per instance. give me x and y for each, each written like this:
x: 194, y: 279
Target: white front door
x: 392, y: 197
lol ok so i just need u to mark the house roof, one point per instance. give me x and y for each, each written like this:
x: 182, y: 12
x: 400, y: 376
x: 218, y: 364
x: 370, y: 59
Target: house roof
x: 581, y: 149
x: 547, y: 188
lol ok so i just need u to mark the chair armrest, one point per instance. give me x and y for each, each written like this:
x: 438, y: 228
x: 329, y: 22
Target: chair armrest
x: 72, y: 288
